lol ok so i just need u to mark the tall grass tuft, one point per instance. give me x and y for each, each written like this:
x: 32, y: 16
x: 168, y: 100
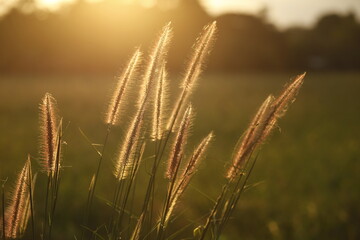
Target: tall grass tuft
x: 201, y: 48
x: 187, y: 173
x: 159, y: 105
x: 154, y: 64
x: 16, y: 215
x: 112, y: 115
x: 238, y: 174
x: 177, y: 150
x: 51, y: 152
x: 48, y: 128
x: 252, y: 138
x: 146, y: 131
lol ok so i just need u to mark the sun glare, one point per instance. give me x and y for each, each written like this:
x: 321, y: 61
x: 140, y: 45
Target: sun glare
x: 219, y: 6
x: 52, y: 4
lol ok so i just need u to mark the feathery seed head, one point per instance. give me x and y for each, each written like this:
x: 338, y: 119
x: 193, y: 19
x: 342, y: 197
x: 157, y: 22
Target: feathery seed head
x: 179, y: 144
x: 27, y: 211
x: 156, y: 59
x: 282, y: 103
x: 125, y: 160
x: 16, y: 210
x: 159, y: 106
x: 48, y: 129
x: 188, y: 172
x: 112, y: 115
x: 197, y: 155
x: 263, y: 123
x: 251, y: 138
x: 200, y: 50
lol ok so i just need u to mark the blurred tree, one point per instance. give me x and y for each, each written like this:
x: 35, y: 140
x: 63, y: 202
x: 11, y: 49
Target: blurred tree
x: 98, y: 37
x: 333, y: 43
x: 246, y: 42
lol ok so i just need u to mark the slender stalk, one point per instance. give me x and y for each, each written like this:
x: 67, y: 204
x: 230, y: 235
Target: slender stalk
x: 163, y: 223
x: 99, y: 166
x: 3, y: 208
x: 46, y: 207
x: 151, y: 183
x: 126, y: 196
x: 31, y: 200
x: 54, y: 202
x: 95, y: 179
x: 214, y: 210
x: 91, y: 186
x: 235, y: 200
x: 114, y: 219
x: 55, y: 177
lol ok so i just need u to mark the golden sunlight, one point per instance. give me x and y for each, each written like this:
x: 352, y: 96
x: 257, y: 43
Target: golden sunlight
x: 217, y: 7
x: 52, y: 4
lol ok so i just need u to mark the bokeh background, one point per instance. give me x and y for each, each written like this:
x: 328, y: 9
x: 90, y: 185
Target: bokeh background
x: 306, y: 181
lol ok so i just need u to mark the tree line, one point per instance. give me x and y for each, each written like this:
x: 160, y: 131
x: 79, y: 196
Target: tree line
x: 98, y: 37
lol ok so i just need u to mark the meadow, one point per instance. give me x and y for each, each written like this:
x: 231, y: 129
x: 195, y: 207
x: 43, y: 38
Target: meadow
x: 305, y: 184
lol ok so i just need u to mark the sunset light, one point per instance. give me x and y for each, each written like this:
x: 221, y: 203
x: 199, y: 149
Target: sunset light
x: 177, y: 119
x: 53, y: 4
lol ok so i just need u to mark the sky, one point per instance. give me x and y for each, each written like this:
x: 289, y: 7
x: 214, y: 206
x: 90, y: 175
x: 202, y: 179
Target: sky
x: 285, y: 13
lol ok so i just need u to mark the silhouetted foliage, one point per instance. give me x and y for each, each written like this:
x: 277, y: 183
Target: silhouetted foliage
x: 98, y: 37
x: 333, y: 43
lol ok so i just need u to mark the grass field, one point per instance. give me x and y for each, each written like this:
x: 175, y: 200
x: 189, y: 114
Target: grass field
x: 306, y: 180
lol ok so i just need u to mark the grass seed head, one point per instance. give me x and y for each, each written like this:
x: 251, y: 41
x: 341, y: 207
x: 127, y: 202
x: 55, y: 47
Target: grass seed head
x: 125, y: 160
x: 156, y: 60
x: 159, y: 105
x: 48, y: 129
x: 112, y: 115
x: 180, y: 141
x: 193, y: 70
x: 16, y: 211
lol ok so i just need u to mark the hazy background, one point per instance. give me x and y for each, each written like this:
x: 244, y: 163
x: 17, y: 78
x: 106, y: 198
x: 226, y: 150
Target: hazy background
x: 307, y: 174
x: 98, y: 36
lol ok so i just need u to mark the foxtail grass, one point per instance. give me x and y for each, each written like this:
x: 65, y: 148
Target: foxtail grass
x: 159, y: 105
x: 17, y: 212
x: 112, y: 115
x: 111, y: 118
x: 150, y: 128
x: 238, y: 174
x: 51, y: 148
x: 201, y: 49
x: 48, y: 128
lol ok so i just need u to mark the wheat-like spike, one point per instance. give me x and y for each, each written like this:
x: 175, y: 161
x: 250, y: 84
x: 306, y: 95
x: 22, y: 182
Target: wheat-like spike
x: 282, y: 102
x: 27, y: 211
x: 156, y: 59
x: 201, y: 50
x: 125, y: 160
x: 252, y: 137
x: 263, y: 123
x: 159, y: 105
x: 48, y: 129
x: 197, y: 156
x: 179, y: 144
x: 16, y: 210
x: 188, y: 172
x: 112, y: 115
